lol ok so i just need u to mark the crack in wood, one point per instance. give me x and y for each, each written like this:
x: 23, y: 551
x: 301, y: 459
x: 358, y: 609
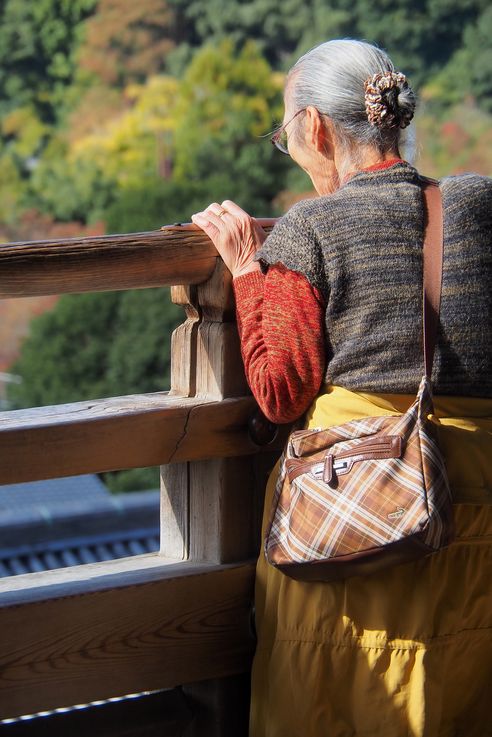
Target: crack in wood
x: 182, y: 436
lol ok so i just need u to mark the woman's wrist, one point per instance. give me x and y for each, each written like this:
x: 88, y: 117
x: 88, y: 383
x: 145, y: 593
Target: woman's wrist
x: 248, y: 269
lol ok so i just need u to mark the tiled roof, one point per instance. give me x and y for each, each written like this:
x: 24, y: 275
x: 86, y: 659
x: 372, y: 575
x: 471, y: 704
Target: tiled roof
x: 75, y: 551
x: 70, y: 521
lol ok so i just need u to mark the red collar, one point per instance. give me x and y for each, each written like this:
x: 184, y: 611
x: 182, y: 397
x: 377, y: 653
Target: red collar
x: 384, y: 164
x: 374, y: 167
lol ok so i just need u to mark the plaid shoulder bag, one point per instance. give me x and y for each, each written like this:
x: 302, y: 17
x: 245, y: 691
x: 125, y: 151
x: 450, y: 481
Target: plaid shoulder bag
x: 354, y: 499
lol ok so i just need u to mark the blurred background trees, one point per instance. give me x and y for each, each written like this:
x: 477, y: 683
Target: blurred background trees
x: 101, y: 98
x: 120, y: 116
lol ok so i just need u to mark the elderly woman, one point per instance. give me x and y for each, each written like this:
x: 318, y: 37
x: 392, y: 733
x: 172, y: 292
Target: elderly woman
x: 329, y: 313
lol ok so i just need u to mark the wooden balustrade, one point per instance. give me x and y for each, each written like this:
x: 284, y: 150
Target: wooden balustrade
x: 176, y: 254
x: 156, y: 621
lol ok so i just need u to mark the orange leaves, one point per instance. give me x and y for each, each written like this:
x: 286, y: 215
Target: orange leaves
x: 126, y: 41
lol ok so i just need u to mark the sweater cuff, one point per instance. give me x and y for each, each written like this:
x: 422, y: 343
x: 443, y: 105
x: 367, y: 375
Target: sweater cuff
x: 249, y: 285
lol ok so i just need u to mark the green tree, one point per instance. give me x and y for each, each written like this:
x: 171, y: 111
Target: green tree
x: 275, y: 27
x: 79, y: 178
x: 139, y: 354
x: 133, y: 479
x: 468, y: 74
x: 65, y: 357
x: 280, y: 30
x: 176, y: 148
x: 478, y: 46
x: 421, y: 35
x: 96, y: 345
x: 154, y: 203
x: 37, y: 49
x: 67, y: 187
x: 228, y: 104
x: 38, y: 41
x: 12, y: 187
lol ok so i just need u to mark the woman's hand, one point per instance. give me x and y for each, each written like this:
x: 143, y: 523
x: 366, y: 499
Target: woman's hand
x: 235, y: 234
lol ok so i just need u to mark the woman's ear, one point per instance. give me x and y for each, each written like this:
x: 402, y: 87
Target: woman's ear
x: 318, y: 133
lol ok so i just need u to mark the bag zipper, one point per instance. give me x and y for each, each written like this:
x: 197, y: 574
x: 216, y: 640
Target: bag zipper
x: 386, y: 446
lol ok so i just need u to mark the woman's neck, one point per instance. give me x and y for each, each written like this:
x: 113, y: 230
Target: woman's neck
x: 366, y: 159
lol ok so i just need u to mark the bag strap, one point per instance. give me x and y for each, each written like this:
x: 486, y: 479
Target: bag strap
x: 432, y: 267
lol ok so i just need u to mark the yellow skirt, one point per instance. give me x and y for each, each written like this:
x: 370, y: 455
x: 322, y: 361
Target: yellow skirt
x: 405, y: 653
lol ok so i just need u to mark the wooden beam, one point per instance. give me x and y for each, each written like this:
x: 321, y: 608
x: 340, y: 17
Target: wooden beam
x: 177, y: 254
x: 119, y: 433
x: 189, y: 624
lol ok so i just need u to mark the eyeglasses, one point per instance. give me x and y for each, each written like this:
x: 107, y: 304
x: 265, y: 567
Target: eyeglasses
x: 280, y: 138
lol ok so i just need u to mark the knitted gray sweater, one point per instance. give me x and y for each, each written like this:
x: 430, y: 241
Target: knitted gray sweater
x: 362, y: 247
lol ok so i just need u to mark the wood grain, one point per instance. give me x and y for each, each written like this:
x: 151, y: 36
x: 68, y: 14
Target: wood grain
x: 74, y: 649
x: 183, y: 342
x: 178, y: 254
x: 123, y: 432
x: 174, y: 511
x: 219, y: 366
x: 223, y: 510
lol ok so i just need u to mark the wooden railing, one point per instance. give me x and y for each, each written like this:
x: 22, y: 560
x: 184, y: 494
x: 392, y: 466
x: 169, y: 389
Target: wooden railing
x: 179, y: 619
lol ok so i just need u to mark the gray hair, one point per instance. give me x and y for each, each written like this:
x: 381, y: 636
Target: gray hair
x: 331, y: 77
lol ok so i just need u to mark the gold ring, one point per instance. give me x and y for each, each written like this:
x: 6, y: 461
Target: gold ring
x: 222, y: 213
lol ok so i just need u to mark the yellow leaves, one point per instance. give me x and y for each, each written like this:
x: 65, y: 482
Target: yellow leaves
x: 13, y: 122
x: 227, y: 95
x: 278, y: 80
x: 25, y: 127
x: 157, y: 101
x: 227, y: 98
x: 125, y: 146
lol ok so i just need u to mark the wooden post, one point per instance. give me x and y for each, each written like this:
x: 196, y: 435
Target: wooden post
x: 211, y: 509
x: 175, y: 477
x: 222, y: 490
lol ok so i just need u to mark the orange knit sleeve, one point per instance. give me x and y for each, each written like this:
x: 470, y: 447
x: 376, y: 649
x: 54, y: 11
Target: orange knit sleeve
x: 280, y: 319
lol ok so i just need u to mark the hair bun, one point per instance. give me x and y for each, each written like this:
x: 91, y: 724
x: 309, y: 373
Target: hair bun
x: 389, y: 100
